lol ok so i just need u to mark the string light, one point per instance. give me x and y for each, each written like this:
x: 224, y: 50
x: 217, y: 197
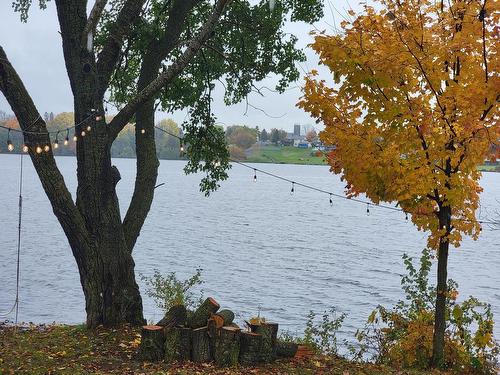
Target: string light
x: 254, y: 175
x: 25, y: 148
x: 89, y: 128
x: 406, y: 216
x: 46, y: 148
x: 56, y: 142
x: 331, y: 200
x: 351, y: 199
x: 10, y: 146
x: 66, y: 140
x: 75, y: 138
x: 38, y: 149
x: 143, y: 131
x: 83, y: 133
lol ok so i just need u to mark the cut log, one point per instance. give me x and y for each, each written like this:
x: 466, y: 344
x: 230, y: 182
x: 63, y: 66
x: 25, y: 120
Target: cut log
x: 175, y: 316
x: 152, y: 342
x: 203, y: 313
x: 227, y: 347
x: 227, y: 317
x: 200, y: 345
x: 189, y: 318
x: 286, y: 349
x: 177, y: 344
x: 250, y: 348
x: 185, y: 343
x: 304, y: 352
x: 218, y: 320
x: 269, y: 332
x: 213, y: 332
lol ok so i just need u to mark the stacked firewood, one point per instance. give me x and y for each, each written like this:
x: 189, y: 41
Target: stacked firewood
x: 209, y: 334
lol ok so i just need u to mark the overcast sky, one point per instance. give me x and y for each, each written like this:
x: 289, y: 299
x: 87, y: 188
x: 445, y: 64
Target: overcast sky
x: 35, y: 51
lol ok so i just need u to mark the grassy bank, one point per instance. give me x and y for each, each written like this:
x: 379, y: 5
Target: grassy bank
x: 75, y: 350
x: 294, y: 155
x: 283, y: 155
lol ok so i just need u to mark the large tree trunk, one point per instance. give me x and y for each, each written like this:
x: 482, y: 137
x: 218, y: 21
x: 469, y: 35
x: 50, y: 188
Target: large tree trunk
x: 442, y: 290
x: 100, y: 242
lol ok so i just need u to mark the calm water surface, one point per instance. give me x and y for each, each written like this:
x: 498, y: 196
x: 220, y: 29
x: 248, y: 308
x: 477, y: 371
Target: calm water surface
x: 259, y: 247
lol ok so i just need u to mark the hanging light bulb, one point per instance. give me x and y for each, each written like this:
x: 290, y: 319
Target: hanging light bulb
x: 293, y: 188
x: 254, y: 175
x: 89, y: 128
x: 66, y: 140
x: 331, y: 200
x: 368, y: 209
x: 75, y: 138
x: 83, y: 133
x: 143, y: 131
x: 10, y: 146
x: 98, y: 118
x: 46, y: 148
x: 38, y: 149
x: 182, y: 147
x: 56, y: 142
x: 406, y: 216
x: 25, y: 148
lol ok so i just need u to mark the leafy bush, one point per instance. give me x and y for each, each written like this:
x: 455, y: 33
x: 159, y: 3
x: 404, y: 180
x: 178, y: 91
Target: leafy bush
x: 168, y: 290
x: 321, y: 335
x: 402, y: 336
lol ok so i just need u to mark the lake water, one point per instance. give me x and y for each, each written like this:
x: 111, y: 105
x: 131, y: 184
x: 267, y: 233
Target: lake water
x: 259, y: 246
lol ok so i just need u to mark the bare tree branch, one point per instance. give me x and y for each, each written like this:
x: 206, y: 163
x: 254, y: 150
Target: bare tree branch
x: 93, y: 20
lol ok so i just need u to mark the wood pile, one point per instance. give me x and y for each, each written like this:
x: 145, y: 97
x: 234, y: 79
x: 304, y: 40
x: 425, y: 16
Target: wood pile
x: 209, y: 334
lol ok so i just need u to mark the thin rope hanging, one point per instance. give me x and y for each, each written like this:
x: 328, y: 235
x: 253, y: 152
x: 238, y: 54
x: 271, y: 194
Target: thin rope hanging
x: 15, y: 305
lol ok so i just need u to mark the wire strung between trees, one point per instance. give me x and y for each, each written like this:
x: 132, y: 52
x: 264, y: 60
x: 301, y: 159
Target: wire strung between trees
x: 323, y: 191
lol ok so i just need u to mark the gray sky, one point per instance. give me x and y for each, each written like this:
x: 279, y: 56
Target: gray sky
x: 35, y: 51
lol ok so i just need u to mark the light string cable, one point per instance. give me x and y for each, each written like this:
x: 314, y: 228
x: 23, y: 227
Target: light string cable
x: 15, y: 305
x: 10, y: 146
x: 323, y: 191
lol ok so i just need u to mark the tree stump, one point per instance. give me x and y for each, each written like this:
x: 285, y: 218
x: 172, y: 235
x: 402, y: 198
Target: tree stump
x: 269, y: 332
x: 227, y: 347
x: 227, y: 317
x: 152, y: 342
x: 200, y: 345
x: 217, y: 319
x: 250, y: 347
x: 175, y: 316
x: 177, y: 344
x: 203, y: 313
x: 286, y: 349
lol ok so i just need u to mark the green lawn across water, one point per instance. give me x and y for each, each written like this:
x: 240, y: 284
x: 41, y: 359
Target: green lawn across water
x: 284, y: 155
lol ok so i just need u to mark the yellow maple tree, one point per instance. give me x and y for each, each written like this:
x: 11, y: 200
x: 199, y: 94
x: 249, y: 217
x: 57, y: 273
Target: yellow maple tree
x: 413, y: 111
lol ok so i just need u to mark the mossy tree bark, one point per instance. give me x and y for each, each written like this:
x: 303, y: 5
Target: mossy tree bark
x: 100, y: 241
x: 152, y: 343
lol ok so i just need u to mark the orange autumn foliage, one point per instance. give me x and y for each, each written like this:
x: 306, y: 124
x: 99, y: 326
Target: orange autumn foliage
x: 414, y: 108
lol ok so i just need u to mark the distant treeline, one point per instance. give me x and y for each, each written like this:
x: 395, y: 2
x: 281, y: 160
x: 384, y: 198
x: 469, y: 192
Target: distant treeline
x: 239, y: 137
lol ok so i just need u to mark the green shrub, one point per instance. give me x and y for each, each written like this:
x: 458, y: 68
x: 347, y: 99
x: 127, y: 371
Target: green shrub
x: 402, y: 336
x: 321, y: 335
x: 168, y: 290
